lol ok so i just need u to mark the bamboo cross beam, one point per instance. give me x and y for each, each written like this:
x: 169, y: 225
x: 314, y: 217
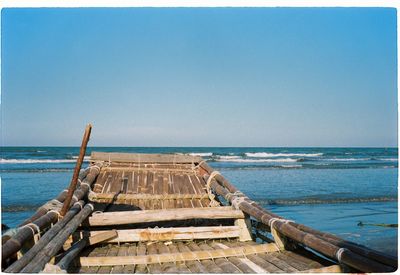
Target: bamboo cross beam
x: 78, y: 166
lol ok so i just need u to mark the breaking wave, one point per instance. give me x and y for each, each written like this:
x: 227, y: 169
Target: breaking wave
x: 26, y: 161
x: 201, y: 154
x: 258, y: 160
x: 272, y: 155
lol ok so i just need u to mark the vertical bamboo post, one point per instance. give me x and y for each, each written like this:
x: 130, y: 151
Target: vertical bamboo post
x: 78, y: 166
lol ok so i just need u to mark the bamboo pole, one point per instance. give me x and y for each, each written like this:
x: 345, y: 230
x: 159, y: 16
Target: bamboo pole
x: 78, y: 166
x: 46, y: 238
x: 14, y: 244
x: 77, y: 247
x: 25, y: 233
x: 39, y: 261
x: 362, y: 250
x: 318, y: 244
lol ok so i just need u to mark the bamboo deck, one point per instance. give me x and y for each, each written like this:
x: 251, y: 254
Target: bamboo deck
x: 148, y: 213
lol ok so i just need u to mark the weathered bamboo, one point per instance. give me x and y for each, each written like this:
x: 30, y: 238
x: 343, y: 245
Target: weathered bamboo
x: 43, y: 257
x: 359, y: 249
x: 131, y: 217
x: 25, y: 233
x: 78, y: 166
x: 46, y: 238
x: 14, y: 244
x: 173, y: 257
x: 76, y: 248
x: 167, y: 234
x: 223, y: 263
x: 332, y: 251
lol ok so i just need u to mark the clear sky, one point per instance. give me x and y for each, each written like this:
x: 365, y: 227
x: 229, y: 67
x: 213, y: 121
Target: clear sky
x: 200, y: 77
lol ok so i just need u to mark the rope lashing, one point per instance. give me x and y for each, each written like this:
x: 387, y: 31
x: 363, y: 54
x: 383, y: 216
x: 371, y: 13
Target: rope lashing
x: 53, y: 206
x: 273, y: 220
x: 94, y: 167
x: 213, y: 202
x: 339, y: 253
x: 237, y: 201
x: 200, y: 163
x: 33, y: 227
x: 236, y: 194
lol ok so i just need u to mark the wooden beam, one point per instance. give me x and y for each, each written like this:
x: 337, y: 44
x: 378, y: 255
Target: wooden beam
x: 166, y: 234
x: 245, y: 229
x: 176, y: 257
x: 144, y: 158
x: 141, y: 216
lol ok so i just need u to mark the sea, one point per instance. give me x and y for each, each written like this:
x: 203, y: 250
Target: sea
x: 350, y: 192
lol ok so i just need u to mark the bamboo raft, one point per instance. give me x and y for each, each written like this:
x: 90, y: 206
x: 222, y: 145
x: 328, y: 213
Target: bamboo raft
x: 170, y: 213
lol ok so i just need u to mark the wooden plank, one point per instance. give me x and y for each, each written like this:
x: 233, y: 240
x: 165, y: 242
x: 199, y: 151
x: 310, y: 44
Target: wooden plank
x: 187, y: 256
x: 144, y: 158
x: 164, y: 234
x: 130, y: 252
x: 131, y: 217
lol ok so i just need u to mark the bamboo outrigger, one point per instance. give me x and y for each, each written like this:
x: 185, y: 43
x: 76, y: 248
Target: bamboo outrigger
x: 170, y: 213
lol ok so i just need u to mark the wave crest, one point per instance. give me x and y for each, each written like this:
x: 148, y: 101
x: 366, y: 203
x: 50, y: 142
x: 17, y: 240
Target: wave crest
x: 258, y: 160
x: 30, y: 161
x: 272, y: 155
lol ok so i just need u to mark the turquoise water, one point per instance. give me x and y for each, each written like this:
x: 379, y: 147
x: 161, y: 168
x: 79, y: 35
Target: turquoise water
x: 330, y: 189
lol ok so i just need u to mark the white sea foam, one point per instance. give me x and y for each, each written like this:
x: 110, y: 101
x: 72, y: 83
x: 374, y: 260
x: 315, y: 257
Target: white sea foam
x: 271, y: 155
x: 84, y: 158
x: 26, y: 161
x: 229, y: 157
x: 389, y: 159
x: 201, y: 154
x: 349, y: 159
x: 258, y: 160
x: 292, y: 166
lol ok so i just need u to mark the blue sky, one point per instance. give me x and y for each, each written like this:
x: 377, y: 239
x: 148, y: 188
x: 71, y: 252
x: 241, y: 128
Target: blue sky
x: 200, y: 77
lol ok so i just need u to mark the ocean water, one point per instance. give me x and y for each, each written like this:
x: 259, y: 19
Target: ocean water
x: 330, y: 189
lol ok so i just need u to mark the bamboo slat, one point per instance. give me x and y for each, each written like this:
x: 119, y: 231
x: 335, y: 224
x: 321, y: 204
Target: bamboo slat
x: 194, y: 266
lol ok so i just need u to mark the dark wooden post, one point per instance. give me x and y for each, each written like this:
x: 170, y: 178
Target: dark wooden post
x: 78, y: 166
